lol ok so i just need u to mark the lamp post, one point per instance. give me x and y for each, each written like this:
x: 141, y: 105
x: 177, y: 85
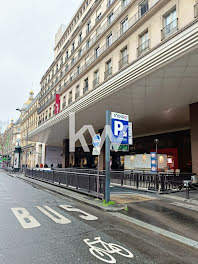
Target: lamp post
x: 25, y: 111
x: 156, y: 143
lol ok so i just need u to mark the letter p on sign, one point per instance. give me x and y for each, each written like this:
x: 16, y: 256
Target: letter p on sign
x: 118, y: 127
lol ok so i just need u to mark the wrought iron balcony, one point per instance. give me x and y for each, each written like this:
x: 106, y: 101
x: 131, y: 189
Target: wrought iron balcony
x: 95, y: 82
x: 69, y: 100
x: 124, y: 61
x: 169, y: 29
x: 143, y: 47
x: 108, y: 73
x: 77, y: 95
x: 85, y: 89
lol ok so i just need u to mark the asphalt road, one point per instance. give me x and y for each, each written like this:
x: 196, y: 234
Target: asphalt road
x: 48, y: 238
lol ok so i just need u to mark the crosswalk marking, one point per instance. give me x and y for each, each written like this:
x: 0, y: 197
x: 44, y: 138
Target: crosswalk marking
x: 22, y: 215
x: 60, y: 220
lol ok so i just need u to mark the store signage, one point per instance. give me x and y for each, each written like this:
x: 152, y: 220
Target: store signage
x: 57, y: 104
x: 153, y: 162
x: 120, y: 127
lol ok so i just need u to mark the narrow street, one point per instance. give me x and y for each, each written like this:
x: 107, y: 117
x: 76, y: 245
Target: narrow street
x: 56, y: 235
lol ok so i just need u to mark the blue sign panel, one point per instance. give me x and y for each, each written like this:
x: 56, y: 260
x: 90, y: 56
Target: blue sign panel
x: 153, y: 162
x: 96, y: 140
x: 120, y: 131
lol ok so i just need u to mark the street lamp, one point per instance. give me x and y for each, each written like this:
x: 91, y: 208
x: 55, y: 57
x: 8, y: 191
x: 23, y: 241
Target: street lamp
x: 25, y: 111
x: 156, y: 143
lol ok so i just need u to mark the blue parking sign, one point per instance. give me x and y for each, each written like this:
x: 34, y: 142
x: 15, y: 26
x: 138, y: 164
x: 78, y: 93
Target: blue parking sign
x: 120, y: 127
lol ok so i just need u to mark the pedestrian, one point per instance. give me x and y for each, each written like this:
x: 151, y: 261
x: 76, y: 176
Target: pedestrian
x: 41, y: 165
x: 46, y: 166
x: 37, y: 165
x: 52, y: 165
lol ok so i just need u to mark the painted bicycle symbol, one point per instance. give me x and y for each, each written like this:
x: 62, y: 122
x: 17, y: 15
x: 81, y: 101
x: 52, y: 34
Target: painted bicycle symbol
x: 105, y: 253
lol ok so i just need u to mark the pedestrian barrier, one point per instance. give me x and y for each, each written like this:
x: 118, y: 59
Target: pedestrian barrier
x: 79, y: 181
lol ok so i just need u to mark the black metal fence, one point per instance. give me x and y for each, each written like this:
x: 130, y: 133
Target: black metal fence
x: 157, y: 182
x: 79, y: 181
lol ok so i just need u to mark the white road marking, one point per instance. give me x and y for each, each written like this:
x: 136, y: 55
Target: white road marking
x: 181, y: 239
x: 60, y: 220
x: 187, y: 206
x: 86, y: 216
x: 106, y: 250
x: 22, y: 214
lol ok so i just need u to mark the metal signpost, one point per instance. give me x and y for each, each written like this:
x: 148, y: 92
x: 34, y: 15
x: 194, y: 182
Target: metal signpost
x: 107, y: 159
x: 96, y: 152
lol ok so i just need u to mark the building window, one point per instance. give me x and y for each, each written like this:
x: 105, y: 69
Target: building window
x: 109, y: 40
x: 77, y: 94
x: 97, y: 52
x: 88, y: 43
x: 143, y: 43
x: 108, y: 71
x: 88, y: 26
x: 124, y: 57
x: 110, y: 18
x: 70, y: 97
x: 109, y: 2
x: 96, y: 78
x: 72, y: 61
x: 170, y: 23
x: 79, y: 53
x: 67, y: 54
x: 73, y: 47
x: 80, y: 38
x: 64, y: 102
x: 78, y: 69
x: 143, y: 8
x: 86, y: 85
x: 124, y: 3
x: 98, y: 16
x: 124, y: 25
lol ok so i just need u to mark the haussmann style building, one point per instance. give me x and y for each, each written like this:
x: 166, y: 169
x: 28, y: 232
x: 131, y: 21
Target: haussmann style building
x: 129, y: 56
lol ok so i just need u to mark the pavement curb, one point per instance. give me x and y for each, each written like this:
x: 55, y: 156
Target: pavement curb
x: 73, y: 196
x: 171, y: 197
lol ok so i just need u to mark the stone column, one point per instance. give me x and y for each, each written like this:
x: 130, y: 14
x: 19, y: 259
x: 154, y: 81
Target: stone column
x: 66, y: 153
x: 194, y: 136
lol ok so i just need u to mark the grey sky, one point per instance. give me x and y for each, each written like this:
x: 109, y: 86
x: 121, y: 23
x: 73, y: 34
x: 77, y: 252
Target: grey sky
x: 27, y: 30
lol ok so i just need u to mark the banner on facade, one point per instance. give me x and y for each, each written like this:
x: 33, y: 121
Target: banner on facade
x: 57, y: 104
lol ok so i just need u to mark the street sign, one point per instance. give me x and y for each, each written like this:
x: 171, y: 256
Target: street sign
x: 96, y: 151
x: 96, y: 140
x: 120, y: 127
x: 153, y: 162
x: 117, y: 147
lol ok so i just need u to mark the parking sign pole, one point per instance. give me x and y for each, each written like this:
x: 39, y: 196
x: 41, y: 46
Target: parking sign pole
x: 107, y: 159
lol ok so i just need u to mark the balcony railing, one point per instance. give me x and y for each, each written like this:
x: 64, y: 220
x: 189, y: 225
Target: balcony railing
x: 143, y: 47
x: 169, y: 29
x: 196, y: 10
x: 108, y: 73
x: 95, y: 82
x: 85, y: 89
x: 124, y: 61
x: 77, y: 95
